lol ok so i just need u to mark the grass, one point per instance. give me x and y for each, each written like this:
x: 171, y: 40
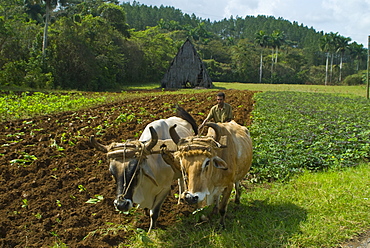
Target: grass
x: 335, y: 204
x: 359, y: 90
x: 313, y: 210
x: 142, y: 86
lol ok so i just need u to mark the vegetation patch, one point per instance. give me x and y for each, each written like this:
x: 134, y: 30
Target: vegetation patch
x: 26, y: 104
x: 294, y: 131
x: 313, y: 210
x: 64, y: 198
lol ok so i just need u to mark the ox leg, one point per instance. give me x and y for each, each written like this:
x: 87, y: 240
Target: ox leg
x: 155, y: 211
x: 237, y: 192
x: 223, y: 206
x: 181, y: 183
x: 216, y: 202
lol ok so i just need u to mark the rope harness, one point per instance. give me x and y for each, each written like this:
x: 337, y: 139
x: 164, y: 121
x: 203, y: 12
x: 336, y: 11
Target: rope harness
x: 129, y: 150
x: 183, y: 173
x: 194, y: 144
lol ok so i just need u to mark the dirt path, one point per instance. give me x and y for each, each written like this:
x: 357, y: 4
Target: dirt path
x: 361, y: 241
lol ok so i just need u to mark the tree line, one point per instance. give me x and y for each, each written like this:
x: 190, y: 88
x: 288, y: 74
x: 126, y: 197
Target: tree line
x: 100, y: 45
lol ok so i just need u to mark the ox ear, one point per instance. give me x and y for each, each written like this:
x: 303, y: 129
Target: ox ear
x: 149, y: 173
x: 219, y: 163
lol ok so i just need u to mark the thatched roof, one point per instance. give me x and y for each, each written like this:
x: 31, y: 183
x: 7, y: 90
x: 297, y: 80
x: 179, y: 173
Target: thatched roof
x: 186, y: 70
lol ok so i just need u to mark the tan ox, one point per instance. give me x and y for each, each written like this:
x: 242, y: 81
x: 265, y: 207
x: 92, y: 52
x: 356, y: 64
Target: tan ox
x: 210, y: 169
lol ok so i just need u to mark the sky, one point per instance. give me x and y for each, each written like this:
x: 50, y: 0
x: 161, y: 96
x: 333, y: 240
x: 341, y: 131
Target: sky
x: 350, y: 18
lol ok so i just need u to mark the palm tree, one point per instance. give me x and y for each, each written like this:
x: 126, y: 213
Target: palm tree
x: 357, y: 52
x: 333, y: 48
x: 328, y: 45
x: 262, y: 40
x: 278, y: 38
x: 271, y: 43
x: 199, y: 33
x: 341, y: 46
x: 275, y: 41
x: 33, y: 10
x: 50, y: 5
x: 324, y: 46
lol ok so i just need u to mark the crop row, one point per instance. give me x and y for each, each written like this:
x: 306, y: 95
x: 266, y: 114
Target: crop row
x: 295, y: 131
x: 28, y: 104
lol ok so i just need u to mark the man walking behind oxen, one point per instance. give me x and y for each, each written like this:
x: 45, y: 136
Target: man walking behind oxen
x: 221, y: 112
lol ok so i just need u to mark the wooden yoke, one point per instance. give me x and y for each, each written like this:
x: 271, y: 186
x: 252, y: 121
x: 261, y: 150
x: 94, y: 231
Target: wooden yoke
x: 167, y: 144
x: 130, y: 149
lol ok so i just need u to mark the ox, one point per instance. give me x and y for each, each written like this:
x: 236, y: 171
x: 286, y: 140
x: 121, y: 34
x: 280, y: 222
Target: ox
x: 211, y: 169
x: 143, y: 177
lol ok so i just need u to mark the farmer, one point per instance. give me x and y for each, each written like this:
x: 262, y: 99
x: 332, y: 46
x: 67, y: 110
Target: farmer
x: 221, y: 112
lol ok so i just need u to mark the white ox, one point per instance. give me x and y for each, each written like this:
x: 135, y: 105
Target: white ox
x: 211, y: 170
x: 142, y: 177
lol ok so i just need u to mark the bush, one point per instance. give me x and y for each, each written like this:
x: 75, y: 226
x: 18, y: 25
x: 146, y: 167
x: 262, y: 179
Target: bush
x: 315, y: 75
x: 12, y: 74
x: 26, y: 74
x: 354, y: 79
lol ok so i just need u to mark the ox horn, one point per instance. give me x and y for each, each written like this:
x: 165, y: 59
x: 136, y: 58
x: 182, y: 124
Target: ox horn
x: 174, y: 136
x: 153, y: 141
x: 97, y: 145
x: 217, y: 129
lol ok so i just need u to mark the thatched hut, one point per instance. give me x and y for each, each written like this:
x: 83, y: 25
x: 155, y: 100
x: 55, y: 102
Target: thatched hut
x: 186, y: 70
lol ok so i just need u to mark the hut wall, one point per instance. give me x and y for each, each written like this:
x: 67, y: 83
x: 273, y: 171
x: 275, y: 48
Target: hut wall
x: 186, y: 70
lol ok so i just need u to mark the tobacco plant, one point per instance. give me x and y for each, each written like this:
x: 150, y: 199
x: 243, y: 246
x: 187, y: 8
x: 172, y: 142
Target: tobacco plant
x: 25, y: 105
x: 295, y: 131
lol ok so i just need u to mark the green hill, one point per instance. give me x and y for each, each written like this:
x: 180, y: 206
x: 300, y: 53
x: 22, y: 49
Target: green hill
x: 100, y: 46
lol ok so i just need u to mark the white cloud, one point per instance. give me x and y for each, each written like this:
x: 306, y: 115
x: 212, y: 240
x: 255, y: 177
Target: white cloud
x: 252, y: 7
x: 349, y: 18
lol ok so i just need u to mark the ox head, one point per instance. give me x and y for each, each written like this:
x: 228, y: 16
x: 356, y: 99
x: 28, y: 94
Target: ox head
x: 127, y: 164
x: 199, y: 163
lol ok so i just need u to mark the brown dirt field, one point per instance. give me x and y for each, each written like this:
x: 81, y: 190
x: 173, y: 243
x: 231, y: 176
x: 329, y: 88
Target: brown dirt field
x: 43, y: 202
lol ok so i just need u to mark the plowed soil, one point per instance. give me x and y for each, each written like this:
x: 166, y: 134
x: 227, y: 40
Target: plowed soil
x: 48, y: 171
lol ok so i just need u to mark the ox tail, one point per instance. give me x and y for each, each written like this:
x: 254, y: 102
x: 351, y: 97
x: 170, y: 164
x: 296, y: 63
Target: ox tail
x: 180, y: 112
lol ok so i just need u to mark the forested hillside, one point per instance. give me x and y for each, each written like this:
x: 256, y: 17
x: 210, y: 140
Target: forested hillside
x: 103, y: 45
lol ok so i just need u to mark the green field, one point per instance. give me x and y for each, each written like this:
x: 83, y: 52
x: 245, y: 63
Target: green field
x: 311, y: 173
x: 358, y: 90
